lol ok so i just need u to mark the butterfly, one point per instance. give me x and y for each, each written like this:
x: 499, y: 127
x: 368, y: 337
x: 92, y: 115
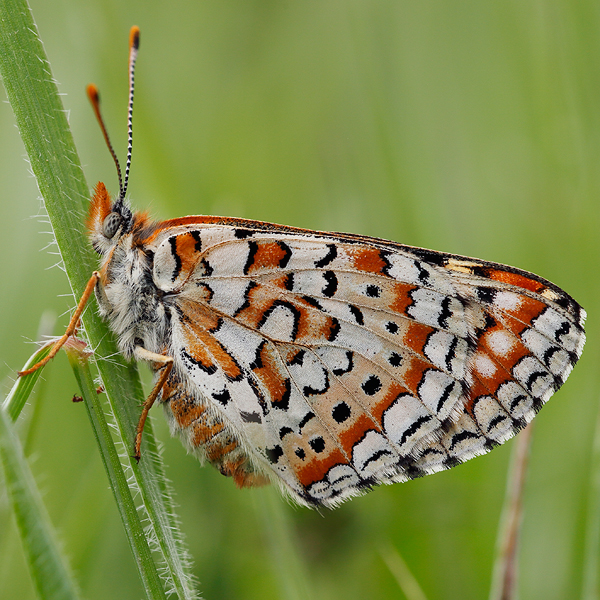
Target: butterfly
x: 326, y: 362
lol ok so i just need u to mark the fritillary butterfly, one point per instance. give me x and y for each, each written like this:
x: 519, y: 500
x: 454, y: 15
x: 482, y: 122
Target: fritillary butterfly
x: 327, y: 362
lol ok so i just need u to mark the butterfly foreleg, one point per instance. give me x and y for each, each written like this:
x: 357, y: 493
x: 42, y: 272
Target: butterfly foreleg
x: 165, y: 365
x: 71, y: 328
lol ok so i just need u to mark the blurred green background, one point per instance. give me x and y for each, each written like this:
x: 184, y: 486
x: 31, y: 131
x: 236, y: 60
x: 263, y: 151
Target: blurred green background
x: 463, y: 126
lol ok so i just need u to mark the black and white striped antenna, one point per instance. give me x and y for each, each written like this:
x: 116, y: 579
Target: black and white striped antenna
x: 92, y: 92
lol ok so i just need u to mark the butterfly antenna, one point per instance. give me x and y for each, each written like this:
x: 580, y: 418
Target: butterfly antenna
x: 92, y: 92
x: 94, y: 97
x: 134, y: 44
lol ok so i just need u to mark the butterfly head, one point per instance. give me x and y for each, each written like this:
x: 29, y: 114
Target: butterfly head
x: 108, y: 221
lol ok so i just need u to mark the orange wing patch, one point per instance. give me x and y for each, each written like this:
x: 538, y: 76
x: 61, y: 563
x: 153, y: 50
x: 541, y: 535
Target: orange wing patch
x: 188, y: 251
x: 369, y: 260
x: 415, y: 336
x: 202, y: 347
x: 516, y: 279
x: 400, y: 298
x: 349, y: 436
x: 378, y: 408
x: 266, y: 255
x: 267, y: 368
x: 503, y: 346
x: 527, y: 310
x: 318, y: 465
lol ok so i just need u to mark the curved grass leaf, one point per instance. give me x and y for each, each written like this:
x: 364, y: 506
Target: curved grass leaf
x: 48, y: 567
x: 19, y: 393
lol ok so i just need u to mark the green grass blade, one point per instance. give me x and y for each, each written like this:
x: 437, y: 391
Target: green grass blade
x: 407, y: 582
x: 42, y: 122
x: 23, y: 386
x: 112, y: 463
x: 288, y: 566
x: 49, y: 570
x: 591, y: 560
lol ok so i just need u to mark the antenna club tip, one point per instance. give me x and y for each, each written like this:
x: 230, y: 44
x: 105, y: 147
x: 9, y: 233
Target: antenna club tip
x: 92, y: 92
x: 134, y: 37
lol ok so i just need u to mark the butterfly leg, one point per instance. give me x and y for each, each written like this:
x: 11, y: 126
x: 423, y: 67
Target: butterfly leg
x: 166, y: 364
x: 71, y: 328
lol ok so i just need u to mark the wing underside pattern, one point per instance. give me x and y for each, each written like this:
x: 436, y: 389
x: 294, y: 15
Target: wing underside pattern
x: 340, y: 363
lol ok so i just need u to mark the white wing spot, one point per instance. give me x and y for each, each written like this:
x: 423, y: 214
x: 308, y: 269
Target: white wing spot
x: 501, y: 342
x: 508, y: 301
x: 484, y: 365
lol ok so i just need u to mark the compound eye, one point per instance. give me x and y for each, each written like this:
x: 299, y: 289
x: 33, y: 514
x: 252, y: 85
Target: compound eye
x: 111, y: 224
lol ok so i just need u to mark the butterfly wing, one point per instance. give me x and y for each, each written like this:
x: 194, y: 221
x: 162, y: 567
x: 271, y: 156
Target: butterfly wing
x: 342, y: 361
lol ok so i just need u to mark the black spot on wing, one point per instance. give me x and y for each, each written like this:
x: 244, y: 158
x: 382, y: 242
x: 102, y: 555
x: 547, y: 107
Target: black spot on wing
x: 198, y: 240
x: 177, y: 269
x: 257, y: 363
x: 416, y: 425
x: 517, y: 400
x: 371, y: 385
x: 445, y: 395
x: 459, y: 437
x: 287, y: 254
x: 317, y: 444
x: 307, y: 417
x: 430, y: 256
x: 496, y: 421
x: 395, y: 359
x: 250, y: 417
x: 187, y: 358
x: 274, y: 454
x: 392, y: 327
x: 334, y: 329
x: 423, y: 272
x: 357, y: 314
x: 252, y: 250
x: 242, y: 234
x: 385, y: 257
x: 375, y: 456
x: 562, y: 330
x: 329, y: 257
x: 341, y: 412
x: 532, y: 379
x: 289, y: 282
x: 308, y: 390
x: 246, y: 303
x: 312, y: 301
x: 283, y: 402
x: 486, y: 295
x: 480, y: 271
x: 445, y: 314
x: 289, y: 306
x: 373, y: 291
x: 550, y: 352
x: 223, y: 397
x: 204, y: 268
x: 348, y: 367
x: 298, y: 358
x: 284, y: 431
x: 331, y: 284
x: 450, y: 355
